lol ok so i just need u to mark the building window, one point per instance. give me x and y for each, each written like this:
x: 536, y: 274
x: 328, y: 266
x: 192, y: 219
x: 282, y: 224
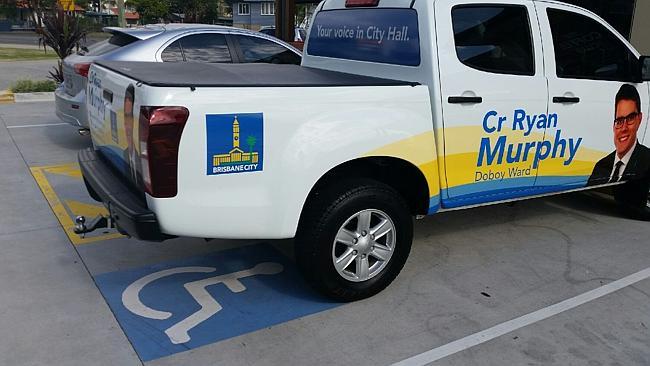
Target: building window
x: 244, y: 9
x: 268, y: 9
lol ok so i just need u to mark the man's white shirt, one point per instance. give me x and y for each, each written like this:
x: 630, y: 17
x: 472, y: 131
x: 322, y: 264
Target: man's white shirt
x: 625, y: 160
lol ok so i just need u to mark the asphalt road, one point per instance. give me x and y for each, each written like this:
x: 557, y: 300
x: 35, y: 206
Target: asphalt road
x: 10, y: 71
x: 20, y: 38
x: 31, y: 38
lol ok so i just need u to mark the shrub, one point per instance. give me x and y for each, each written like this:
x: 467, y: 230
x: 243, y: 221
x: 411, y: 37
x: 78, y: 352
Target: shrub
x: 63, y: 33
x: 31, y: 86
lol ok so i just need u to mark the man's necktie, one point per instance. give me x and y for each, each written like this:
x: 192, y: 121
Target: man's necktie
x: 617, y: 173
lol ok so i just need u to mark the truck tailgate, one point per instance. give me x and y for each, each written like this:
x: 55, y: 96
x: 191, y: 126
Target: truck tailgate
x: 113, y: 123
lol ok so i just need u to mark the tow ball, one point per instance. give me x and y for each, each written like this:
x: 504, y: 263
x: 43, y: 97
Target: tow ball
x: 84, y: 226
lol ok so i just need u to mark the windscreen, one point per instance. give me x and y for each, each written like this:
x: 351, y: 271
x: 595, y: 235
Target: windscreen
x: 384, y: 35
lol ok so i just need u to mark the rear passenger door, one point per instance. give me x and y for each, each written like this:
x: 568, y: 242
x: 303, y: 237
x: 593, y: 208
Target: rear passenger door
x: 494, y: 97
x: 588, y: 65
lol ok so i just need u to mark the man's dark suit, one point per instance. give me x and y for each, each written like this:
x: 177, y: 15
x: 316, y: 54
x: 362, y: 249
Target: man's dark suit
x: 637, y: 167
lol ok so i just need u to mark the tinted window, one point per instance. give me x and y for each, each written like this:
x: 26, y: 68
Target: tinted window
x: 116, y: 41
x: 208, y: 47
x: 258, y: 50
x: 173, y: 53
x: 618, y: 13
x: 494, y: 38
x: 585, y: 49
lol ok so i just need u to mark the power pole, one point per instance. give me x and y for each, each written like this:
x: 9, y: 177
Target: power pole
x: 121, y: 19
x: 285, y: 11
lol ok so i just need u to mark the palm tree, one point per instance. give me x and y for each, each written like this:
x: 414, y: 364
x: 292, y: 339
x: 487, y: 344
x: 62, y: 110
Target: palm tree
x: 251, y: 141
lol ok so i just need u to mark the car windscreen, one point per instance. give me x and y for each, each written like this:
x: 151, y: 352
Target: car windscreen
x: 384, y: 35
x: 116, y: 41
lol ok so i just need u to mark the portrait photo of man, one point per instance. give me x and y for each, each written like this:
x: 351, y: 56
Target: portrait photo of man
x: 630, y: 159
x: 130, y: 154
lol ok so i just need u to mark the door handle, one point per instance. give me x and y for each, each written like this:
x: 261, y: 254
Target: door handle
x: 465, y: 100
x: 566, y: 100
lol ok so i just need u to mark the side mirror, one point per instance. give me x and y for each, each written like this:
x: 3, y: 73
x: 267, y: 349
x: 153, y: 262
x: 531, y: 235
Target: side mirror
x: 644, y: 71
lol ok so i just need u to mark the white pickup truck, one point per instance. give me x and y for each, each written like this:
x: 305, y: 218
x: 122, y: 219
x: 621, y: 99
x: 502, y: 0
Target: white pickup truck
x: 400, y: 108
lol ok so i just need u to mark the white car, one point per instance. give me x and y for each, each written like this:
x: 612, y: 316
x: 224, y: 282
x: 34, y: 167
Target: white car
x: 165, y: 43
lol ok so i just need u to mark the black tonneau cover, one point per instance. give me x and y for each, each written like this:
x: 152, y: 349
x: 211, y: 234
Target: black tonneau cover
x: 191, y: 74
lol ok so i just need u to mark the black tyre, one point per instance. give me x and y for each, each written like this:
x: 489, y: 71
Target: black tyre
x: 353, y: 239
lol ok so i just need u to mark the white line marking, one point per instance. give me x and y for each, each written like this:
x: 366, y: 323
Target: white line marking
x: 41, y: 125
x: 179, y: 332
x: 528, y: 319
x: 131, y: 296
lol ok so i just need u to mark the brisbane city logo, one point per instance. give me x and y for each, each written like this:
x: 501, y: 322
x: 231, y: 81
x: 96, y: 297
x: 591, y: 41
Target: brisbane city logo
x: 235, y: 143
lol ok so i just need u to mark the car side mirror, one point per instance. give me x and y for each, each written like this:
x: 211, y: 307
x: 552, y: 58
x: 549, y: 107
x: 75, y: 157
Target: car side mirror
x: 644, y: 65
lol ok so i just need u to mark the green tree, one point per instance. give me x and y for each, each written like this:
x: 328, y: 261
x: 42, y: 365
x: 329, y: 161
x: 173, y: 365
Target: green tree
x: 211, y: 12
x: 199, y: 11
x: 251, y: 141
x: 151, y: 11
x: 7, y: 9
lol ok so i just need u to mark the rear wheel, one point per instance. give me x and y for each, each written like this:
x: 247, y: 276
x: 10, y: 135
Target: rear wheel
x: 354, y: 239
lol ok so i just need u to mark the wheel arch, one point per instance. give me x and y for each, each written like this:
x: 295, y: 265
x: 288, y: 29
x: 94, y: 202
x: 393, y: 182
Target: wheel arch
x: 401, y: 175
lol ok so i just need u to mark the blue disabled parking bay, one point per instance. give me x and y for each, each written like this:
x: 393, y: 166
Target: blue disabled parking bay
x: 176, y: 306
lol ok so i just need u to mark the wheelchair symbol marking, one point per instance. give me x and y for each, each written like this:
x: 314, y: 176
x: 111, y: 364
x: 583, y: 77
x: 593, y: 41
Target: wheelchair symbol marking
x: 178, y: 333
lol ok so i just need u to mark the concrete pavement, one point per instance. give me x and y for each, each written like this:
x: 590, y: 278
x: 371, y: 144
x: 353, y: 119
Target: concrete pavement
x: 50, y: 311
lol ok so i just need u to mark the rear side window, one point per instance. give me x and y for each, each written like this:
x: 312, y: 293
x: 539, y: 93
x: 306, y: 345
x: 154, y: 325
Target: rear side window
x: 388, y: 36
x: 259, y: 50
x: 116, y: 41
x: 173, y: 53
x: 206, y: 48
x: 585, y: 49
x: 494, y: 38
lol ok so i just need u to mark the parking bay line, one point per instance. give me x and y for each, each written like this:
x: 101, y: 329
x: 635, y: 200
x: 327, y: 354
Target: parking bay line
x: 525, y: 320
x: 59, y: 208
x: 38, y: 125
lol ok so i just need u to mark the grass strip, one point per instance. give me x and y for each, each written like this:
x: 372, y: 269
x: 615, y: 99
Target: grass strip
x: 31, y: 86
x: 25, y: 54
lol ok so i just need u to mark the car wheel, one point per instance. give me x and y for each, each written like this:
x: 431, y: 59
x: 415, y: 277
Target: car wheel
x: 354, y: 239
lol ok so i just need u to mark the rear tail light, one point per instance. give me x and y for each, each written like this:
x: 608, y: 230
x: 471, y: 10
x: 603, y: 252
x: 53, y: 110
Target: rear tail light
x: 82, y: 69
x: 160, y: 136
x: 361, y: 3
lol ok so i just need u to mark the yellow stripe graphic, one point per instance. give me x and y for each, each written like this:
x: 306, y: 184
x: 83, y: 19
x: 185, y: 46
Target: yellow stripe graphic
x: 419, y: 150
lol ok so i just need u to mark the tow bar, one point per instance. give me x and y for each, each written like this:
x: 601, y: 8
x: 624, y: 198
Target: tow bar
x: 83, y: 226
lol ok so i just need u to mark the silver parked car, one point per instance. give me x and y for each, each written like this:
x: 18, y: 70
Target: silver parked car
x: 165, y: 43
